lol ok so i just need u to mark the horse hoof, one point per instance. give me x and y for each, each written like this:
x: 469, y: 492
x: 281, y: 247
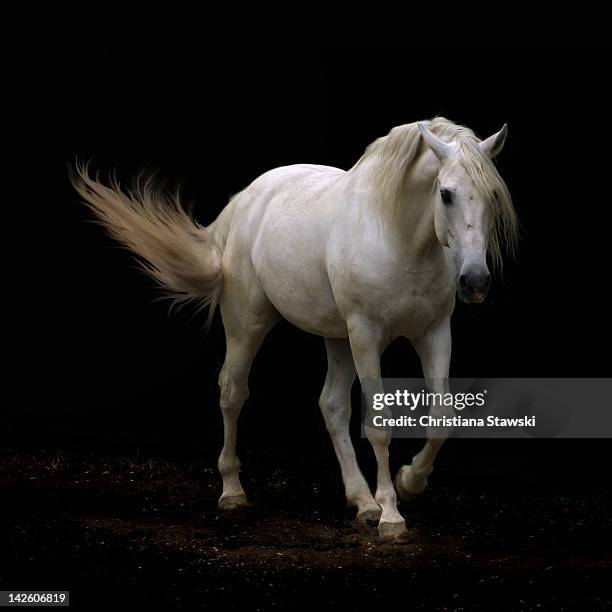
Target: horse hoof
x: 407, y: 485
x: 233, y: 502
x: 392, y: 531
x: 369, y: 517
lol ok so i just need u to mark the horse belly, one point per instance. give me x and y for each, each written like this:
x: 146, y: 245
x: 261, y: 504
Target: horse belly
x: 293, y: 276
x: 302, y: 295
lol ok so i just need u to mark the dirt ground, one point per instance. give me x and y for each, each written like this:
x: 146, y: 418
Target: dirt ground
x: 147, y: 534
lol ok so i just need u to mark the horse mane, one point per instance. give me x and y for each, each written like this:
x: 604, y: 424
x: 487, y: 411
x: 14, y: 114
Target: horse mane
x: 390, y: 157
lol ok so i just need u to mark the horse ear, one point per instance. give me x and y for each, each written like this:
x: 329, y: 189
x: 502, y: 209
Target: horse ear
x: 441, y: 149
x: 493, y: 145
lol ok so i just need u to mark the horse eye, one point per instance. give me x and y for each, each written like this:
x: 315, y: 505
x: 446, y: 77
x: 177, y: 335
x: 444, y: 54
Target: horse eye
x: 447, y: 196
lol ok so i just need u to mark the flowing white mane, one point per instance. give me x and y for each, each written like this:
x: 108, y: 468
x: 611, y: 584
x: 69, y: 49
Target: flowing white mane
x: 393, y: 155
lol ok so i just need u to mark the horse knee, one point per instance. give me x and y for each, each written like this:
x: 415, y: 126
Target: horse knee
x: 379, y: 439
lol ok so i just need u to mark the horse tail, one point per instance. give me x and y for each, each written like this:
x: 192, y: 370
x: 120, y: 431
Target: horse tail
x: 183, y: 257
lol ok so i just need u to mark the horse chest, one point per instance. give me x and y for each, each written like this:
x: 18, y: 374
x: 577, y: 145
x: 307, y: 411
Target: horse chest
x: 409, y: 304
x: 418, y: 309
x: 403, y: 301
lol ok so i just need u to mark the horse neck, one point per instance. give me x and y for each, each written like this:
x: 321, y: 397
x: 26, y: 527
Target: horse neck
x: 414, y: 226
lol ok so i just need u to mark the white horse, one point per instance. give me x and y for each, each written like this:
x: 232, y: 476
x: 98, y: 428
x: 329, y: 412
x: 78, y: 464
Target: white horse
x: 359, y: 257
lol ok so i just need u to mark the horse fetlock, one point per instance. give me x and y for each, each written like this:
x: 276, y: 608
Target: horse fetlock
x: 363, y: 502
x: 410, y: 482
x: 228, y: 466
x: 388, y: 499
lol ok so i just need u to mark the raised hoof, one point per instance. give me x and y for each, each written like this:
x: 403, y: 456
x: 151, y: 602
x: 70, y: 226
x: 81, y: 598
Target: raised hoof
x: 233, y: 502
x: 407, y: 486
x: 369, y: 517
x: 392, y: 531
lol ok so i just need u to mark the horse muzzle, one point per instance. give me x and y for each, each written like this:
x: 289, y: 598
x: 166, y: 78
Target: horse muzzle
x: 474, y: 283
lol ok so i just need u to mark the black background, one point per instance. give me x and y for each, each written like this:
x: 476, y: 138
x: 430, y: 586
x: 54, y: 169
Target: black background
x: 93, y: 364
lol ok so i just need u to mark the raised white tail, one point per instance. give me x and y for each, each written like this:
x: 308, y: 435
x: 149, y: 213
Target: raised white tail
x: 182, y: 256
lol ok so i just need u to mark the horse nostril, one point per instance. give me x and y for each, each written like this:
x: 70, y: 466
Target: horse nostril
x: 475, y: 279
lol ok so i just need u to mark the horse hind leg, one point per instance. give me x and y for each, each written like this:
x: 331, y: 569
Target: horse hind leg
x: 242, y: 346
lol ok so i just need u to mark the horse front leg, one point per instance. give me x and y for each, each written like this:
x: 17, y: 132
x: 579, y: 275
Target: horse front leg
x: 367, y: 343
x: 335, y: 403
x: 434, y: 350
